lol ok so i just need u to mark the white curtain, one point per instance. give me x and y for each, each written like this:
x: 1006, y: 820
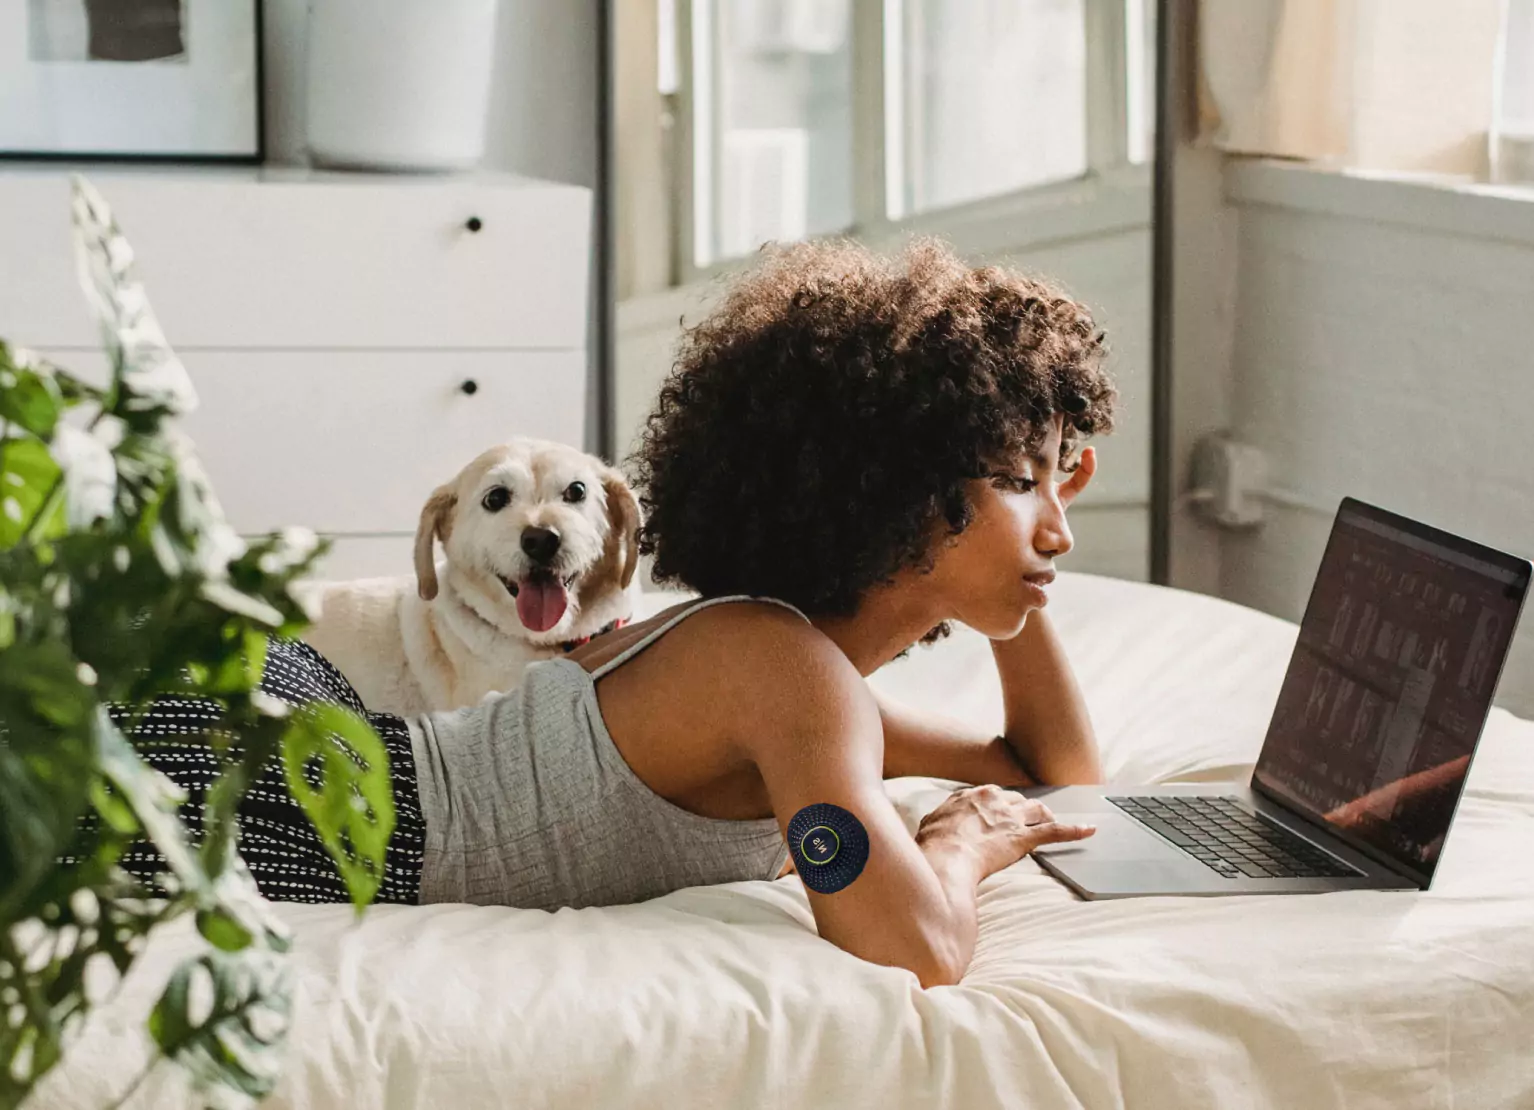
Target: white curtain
x: 1403, y: 85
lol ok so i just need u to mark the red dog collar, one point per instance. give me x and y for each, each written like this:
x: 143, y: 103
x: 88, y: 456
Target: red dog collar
x: 570, y: 645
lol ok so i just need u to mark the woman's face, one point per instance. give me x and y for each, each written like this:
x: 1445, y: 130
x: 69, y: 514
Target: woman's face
x: 995, y: 572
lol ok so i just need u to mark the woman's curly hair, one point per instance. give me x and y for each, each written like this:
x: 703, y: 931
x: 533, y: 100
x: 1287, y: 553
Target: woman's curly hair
x: 820, y: 424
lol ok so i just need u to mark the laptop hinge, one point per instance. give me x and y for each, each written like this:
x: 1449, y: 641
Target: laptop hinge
x: 1359, y: 846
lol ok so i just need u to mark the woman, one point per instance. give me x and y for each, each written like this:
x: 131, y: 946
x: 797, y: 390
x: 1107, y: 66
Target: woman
x: 850, y: 452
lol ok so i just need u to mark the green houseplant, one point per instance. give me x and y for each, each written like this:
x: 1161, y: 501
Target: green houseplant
x: 121, y: 581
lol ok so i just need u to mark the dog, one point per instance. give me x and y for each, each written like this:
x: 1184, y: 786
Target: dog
x: 540, y: 543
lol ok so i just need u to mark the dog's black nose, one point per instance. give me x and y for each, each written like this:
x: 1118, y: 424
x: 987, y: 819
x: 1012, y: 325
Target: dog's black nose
x: 541, y: 544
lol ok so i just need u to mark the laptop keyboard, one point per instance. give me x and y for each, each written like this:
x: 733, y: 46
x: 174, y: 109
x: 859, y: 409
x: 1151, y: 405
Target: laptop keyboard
x: 1230, y: 839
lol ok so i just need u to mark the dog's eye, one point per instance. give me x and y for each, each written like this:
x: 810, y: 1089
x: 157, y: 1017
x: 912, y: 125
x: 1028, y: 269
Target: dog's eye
x: 575, y: 492
x: 496, y: 499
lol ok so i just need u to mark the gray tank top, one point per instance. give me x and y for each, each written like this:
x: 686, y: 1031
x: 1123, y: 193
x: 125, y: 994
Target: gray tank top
x: 527, y: 802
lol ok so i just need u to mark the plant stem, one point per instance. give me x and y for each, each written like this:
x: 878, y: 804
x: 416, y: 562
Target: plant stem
x: 34, y: 531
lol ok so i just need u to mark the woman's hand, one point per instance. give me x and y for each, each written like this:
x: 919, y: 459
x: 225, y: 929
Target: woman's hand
x: 1048, y: 735
x: 995, y: 827
x: 1048, y: 727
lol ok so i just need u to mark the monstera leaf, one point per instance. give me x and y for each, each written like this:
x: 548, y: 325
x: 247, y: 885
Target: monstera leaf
x: 121, y: 580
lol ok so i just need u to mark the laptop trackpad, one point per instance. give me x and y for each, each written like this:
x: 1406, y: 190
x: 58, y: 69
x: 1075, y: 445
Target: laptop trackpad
x: 1108, y: 878
x: 1117, y: 837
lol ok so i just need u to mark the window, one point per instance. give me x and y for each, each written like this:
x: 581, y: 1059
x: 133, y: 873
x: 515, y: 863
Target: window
x: 772, y: 122
x: 990, y: 97
x: 1140, y: 79
x: 798, y: 118
x: 1517, y: 50
x: 1513, y: 148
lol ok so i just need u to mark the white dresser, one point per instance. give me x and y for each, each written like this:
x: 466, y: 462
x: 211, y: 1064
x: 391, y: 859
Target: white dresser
x: 353, y: 339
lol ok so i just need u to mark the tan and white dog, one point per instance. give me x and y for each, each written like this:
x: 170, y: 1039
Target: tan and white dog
x: 540, y: 543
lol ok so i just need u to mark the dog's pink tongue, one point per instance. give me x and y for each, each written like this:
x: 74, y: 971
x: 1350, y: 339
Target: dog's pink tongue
x: 541, y: 602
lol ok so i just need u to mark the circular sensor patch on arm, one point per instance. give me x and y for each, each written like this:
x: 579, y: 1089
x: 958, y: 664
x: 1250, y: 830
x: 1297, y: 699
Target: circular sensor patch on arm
x: 829, y: 846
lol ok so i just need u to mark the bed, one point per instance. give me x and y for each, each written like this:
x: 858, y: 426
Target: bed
x: 725, y: 997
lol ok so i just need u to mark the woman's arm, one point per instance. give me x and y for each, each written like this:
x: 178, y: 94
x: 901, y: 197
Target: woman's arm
x: 813, y: 732
x: 931, y: 744
x: 1047, y: 724
x: 1048, y: 734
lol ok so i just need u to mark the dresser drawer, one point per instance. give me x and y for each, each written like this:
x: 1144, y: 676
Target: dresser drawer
x: 352, y: 442
x: 257, y: 260
x: 356, y: 442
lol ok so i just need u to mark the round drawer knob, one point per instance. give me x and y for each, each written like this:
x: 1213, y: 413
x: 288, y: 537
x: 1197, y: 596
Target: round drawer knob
x: 469, y: 386
x: 474, y: 223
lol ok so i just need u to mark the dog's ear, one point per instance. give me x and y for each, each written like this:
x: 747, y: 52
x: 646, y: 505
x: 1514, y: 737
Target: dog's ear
x: 436, y: 520
x: 623, y: 525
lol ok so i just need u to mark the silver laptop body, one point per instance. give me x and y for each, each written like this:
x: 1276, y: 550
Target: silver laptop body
x: 1389, y: 686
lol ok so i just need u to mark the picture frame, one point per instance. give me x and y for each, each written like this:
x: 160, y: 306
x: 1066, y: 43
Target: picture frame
x: 131, y: 80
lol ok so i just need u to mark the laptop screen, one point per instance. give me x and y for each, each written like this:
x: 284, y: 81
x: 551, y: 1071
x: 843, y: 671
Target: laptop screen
x: 1390, y: 682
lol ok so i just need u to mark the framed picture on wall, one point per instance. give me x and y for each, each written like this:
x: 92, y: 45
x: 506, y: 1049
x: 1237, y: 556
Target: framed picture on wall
x: 168, y: 80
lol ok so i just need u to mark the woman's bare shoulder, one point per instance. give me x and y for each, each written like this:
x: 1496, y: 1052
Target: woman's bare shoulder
x: 759, y: 633
x: 773, y: 665
x: 754, y: 653
x: 739, y: 678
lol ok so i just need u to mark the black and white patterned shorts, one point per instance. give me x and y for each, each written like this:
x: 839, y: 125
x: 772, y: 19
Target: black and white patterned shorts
x: 277, y: 841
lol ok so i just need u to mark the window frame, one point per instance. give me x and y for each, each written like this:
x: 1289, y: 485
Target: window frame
x: 876, y: 27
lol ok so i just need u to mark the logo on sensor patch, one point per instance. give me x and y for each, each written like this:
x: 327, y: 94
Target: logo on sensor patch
x: 820, y: 845
x: 829, y: 846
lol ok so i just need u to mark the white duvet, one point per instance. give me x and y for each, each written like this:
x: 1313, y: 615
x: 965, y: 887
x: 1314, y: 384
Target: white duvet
x: 725, y: 996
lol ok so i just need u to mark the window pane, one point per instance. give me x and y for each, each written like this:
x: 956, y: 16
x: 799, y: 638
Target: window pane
x: 1140, y: 77
x: 1517, y: 107
x: 994, y: 97
x: 772, y: 109
x: 667, y: 79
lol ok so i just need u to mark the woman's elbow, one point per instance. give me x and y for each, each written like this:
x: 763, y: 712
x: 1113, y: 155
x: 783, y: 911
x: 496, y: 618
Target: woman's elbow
x: 933, y: 964
x: 938, y: 963
x: 939, y: 971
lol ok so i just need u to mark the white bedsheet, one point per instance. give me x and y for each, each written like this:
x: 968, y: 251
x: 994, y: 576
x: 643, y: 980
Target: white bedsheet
x: 725, y: 997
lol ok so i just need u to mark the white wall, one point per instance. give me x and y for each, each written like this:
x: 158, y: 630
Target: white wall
x: 1382, y: 340
x: 1095, y: 239
x: 543, y: 100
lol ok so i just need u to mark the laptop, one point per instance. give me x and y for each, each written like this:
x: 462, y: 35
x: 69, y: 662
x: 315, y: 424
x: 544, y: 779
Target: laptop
x: 1389, y: 686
